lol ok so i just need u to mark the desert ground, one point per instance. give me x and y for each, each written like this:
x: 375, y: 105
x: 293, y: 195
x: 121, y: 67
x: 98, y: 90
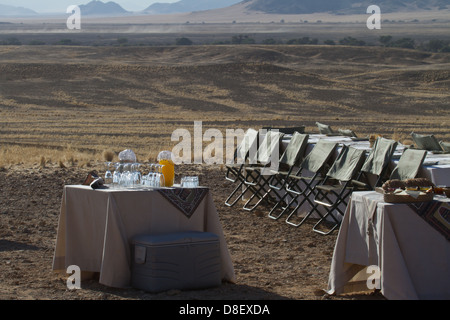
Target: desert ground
x: 63, y: 107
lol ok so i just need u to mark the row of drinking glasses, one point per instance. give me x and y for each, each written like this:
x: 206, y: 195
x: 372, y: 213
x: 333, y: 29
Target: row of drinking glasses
x: 155, y: 177
x: 129, y: 175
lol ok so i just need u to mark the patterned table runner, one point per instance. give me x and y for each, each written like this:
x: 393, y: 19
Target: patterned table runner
x: 436, y: 214
x: 184, y: 199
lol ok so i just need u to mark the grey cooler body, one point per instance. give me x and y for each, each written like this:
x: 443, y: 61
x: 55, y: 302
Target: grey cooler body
x: 184, y: 260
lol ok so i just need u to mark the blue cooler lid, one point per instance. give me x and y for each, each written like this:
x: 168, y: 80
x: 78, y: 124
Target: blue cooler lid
x: 174, y: 238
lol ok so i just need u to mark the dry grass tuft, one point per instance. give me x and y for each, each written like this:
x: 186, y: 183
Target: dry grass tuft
x: 108, y: 155
x: 61, y: 164
x: 42, y: 162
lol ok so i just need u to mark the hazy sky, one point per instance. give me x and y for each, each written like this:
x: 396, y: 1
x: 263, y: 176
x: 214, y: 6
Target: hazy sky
x: 43, y: 6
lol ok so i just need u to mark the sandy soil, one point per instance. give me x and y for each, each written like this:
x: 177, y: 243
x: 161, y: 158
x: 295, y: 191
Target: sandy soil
x: 272, y: 260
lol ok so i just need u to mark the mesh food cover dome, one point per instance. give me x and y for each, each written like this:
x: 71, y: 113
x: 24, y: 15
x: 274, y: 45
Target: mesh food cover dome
x: 127, y: 156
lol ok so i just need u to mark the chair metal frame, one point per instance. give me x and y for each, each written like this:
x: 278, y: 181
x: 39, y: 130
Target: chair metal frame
x: 255, y: 176
x: 349, y: 161
x: 291, y: 156
x: 301, y: 184
x: 241, y: 154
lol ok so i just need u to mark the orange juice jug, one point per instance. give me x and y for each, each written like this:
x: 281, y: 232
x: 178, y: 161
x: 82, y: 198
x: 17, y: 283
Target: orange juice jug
x: 168, y: 169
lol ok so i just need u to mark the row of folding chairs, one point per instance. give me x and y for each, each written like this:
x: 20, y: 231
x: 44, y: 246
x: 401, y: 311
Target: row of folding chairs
x: 316, y: 179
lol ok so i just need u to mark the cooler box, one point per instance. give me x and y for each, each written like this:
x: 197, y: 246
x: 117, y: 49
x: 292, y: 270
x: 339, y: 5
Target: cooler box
x: 185, y: 260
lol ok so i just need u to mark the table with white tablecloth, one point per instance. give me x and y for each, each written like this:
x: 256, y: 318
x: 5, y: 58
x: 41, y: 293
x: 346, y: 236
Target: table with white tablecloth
x: 410, y: 250
x: 96, y: 228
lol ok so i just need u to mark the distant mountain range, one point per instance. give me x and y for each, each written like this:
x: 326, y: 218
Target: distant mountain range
x: 341, y: 6
x: 188, y: 6
x: 100, y: 8
x: 15, y: 11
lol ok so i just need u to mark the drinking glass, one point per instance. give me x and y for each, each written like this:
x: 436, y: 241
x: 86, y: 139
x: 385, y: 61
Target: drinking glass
x: 117, y: 173
x: 189, y: 182
x: 108, y: 174
x: 125, y: 178
x: 160, y: 177
x: 135, y: 174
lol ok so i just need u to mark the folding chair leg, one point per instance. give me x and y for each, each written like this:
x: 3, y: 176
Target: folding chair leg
x: 241, y: 193
x: 245, y: 207
x: 227, y: 201
x: 330, y: 211
x: 277, y: 205
x: 294, y: 211
x: 314, y: 209
x: 322, y: 221
x: 261, y: 192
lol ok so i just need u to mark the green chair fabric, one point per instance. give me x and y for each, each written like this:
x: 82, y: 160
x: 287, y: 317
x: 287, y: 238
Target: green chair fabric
x: 295, y: 149
x: 318, y: 156
x: 349, y: 160
x: 409, y: 164
x: 426, y: 142
x: 445, y: 146
x: 347, y: 133
x: 379, y: 156
x: 248, y: 143
x: 269, y: 144
x: 325, y: 129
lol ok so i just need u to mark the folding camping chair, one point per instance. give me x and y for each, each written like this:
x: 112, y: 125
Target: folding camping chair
x: 409, y: 164
x: 301, y: 184
x: 255, y: 173
x: 326, y: 129
x: 330, y: 196
x: 235, y: 171
x: 426, y: 142
x: 376, y: 164
x: 290, y: 158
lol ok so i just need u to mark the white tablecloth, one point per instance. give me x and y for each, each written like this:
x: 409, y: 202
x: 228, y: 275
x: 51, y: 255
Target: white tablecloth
x: 96, y: 228
x: 413, y: 257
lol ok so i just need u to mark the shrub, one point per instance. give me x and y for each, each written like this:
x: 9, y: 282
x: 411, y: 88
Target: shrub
x: 11, y: 42
x: 36, y: 43
x: 269, y: 41
x: 304, y: 40
x: 407, y: 43
x: 242, y: 39
x: 183, y: 42
x: 385, y: 40
x: 350, y: 41
x: 122, y: 41
x: 436, y: 45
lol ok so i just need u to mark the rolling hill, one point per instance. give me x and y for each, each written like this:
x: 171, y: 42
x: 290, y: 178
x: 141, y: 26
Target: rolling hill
x: 15, y: 11
x: 342, y: 6
x: 99, y: 8
x: 188, y: 6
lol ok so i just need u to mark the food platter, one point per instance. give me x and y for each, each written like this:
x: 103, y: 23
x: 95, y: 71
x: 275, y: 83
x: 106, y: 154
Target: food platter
x: 411, y: 190
x: 400, y: 196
